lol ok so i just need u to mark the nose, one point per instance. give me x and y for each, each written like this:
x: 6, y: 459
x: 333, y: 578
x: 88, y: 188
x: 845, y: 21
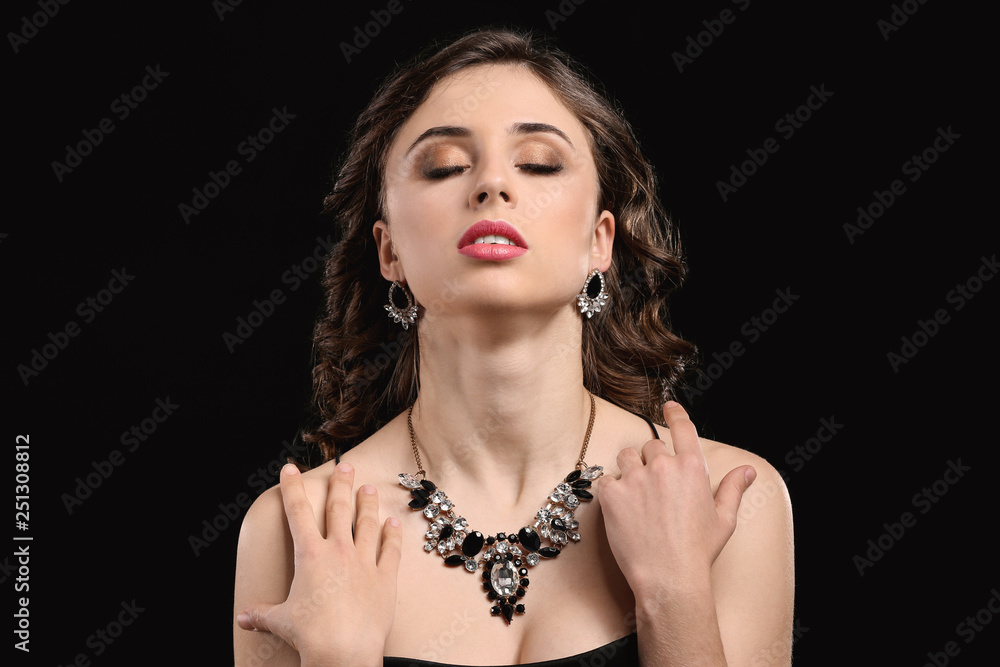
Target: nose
x: 493, y: 186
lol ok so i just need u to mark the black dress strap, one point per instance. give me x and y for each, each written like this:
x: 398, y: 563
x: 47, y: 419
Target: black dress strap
x: 656, y: 436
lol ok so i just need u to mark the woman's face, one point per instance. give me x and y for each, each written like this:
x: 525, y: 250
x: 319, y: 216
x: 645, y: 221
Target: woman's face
x: 492, y: 145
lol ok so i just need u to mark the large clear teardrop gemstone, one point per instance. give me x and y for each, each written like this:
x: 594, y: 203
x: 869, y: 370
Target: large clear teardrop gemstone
x: 503, y: 577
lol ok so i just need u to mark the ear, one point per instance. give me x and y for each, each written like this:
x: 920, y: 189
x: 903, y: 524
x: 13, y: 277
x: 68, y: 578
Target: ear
x: 604, y: 239
x: 389, y: 263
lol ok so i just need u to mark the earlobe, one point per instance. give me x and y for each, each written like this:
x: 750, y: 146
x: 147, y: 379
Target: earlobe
x: 604, y: 239
x: 387, y: 259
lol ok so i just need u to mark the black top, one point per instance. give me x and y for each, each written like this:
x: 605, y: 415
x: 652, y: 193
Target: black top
x: 623, y: 652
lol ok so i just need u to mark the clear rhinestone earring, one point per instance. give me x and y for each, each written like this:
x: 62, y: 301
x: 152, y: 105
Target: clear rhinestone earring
x: 405, y: 316
x: 592, y: 304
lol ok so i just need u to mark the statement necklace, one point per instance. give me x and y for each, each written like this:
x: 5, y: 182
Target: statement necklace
x: 507, y: 556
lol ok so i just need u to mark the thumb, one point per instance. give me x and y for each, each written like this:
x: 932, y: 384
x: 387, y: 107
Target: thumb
x: 731, y: 490
x: 255, y: 618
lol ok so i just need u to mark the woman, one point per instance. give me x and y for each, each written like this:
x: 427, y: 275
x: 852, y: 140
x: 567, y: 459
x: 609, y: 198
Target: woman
x: 507, y: 205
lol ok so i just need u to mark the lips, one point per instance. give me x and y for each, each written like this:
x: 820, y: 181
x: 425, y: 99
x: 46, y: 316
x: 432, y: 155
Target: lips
x: 497, y: 241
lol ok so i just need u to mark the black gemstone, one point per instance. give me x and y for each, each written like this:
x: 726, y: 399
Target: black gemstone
x: 486, y: 575
x: 419, y: 503
x: 447, y: 531
x: 529, y: 538
x: 512, y: 599
x: 420, y: 493
x: 524, y: 581
x: 495, y: 610
x: 520, y: 592
x: 508, y: 612
x: 573, y: 476
x: 557, y: 523
x: 490, y: 539
x: 473, y: 544
x: 487, y: 586
x: 502, y: 537
x: 508, y: 556
x: 523, y: 572
x: 454, y: 560
x: 517, y: 562
x: 492, y: 595
x: 428, y: 484
x: 581, y: 484
x: 497, y: 558
x: 519, y: 608
x: 583, y: 495
x: 512, y: 538
x: 548, y: 552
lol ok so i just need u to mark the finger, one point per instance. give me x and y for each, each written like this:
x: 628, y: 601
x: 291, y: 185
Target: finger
x: 682, y: 431
x: 729, y: 495
x: 654, y: 448
x: 392, y: 548
x: 298, y: 509
x: 339, y: 506
x: 366, y: 525
x: 255, y: 618
x: 629, y: 459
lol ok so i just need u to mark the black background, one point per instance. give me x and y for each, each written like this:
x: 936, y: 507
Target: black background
x: 826, y: 357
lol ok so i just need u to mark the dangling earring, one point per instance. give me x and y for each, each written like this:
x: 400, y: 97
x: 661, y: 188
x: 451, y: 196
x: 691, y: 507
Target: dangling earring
x: 405, y: 316
x: 592, y: 304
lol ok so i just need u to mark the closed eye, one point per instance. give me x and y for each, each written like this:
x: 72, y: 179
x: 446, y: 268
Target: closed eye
x: 540, y: 168
x: 438, y: 173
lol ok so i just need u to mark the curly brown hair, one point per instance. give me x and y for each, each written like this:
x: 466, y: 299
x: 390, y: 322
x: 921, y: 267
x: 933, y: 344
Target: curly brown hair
x: 366, y: 367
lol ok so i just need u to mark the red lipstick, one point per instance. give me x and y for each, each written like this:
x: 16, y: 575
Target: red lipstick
x: 496, y: 252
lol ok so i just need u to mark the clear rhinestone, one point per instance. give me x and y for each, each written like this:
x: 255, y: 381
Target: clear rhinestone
x: 489, y: 553
x: 543, y: 515
x: 471, y: 565
x: 543, y: 530
x: 572, y: 525
x: 446, y: 504
x: 567, y: 517
x: 502, y: 547
x: 558, y: 510
x: 434, y: 529
x: 438, y: 496
x: 532, y: 559
x: 503, y: 577
x: 460, y: 523
x: 558, y: 537
x: 431, y: 511
x: 593, y: 472
x: 575, y: 536
x: 459, y: 537
x: 446, y: 546
x: 571, y: 501
x: 564, y: 488
x: 430, y: 535
x: 430, y: 544
x: 409, y: 481
x: 516, y: 551
x: 555, y: 497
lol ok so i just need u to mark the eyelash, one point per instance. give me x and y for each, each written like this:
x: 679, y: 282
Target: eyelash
x: 444, y: 172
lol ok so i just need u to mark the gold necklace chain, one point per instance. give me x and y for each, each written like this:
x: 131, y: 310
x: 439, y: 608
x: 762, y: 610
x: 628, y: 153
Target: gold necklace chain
x: 581, y: 464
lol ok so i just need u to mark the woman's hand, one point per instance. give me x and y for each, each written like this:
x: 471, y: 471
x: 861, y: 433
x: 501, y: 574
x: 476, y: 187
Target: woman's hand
x: 664, y: 525
x: 343, y: 595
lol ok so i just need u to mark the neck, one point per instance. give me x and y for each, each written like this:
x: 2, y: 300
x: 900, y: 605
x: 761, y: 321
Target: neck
x: 501, y: 402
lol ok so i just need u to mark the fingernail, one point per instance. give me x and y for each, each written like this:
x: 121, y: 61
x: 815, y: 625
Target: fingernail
x: 671, y: 404
x: 368, y: 489
x: 243, y: 619
x: 344, y: 466
x: 393, y: 521
x: 750, y: 476
x: 290, y: 469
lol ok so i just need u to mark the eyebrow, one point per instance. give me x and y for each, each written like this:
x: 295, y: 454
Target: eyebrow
x: 516, y: 128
